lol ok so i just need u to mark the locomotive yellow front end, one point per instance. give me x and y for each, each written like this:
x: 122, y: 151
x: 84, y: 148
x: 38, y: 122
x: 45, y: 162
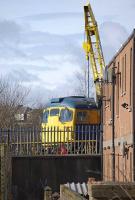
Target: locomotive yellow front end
x: 65, y: 121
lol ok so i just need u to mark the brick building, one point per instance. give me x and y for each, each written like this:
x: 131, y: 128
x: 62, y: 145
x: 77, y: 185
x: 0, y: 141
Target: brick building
x: 119, y: 115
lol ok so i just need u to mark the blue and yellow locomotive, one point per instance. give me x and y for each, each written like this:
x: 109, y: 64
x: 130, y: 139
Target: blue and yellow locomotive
x: 70, y: 120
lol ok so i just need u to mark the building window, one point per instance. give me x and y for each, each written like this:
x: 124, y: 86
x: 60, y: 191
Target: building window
x: 123, y: 78
x: 117, y: 91
x: 110, y: 103
x: 120, y: 79
x: 130, y: 89
x: 105, y: 94
x: 125, y: 67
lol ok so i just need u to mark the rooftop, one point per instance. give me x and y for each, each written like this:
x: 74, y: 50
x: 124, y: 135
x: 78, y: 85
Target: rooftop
x: 74, y: 102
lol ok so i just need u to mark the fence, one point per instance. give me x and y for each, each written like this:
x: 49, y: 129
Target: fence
x: 83, y: 139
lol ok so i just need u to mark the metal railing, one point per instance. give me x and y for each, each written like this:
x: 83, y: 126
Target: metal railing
x: 83, y: 139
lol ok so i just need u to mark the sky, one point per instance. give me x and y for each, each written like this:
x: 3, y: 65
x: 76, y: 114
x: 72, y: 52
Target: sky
x: 41, y: 41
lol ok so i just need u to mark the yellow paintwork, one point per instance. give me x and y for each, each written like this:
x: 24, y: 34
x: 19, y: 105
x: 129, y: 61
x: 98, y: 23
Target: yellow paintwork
x: 54, y: 124
x: 54, y: 120
x: 49, y: 130
x: 93, y: 48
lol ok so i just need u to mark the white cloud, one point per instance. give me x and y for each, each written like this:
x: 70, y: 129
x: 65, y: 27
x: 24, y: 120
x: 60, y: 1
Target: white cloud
x: 42, y: 44
x: 40, y: 58
x: 9, y: 32
x: 113, y: 36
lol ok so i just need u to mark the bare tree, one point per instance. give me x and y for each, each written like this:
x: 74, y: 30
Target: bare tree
x: 35, y: 118
x: 12, y: 94
x: 82, y: 83
x: 80, y: 88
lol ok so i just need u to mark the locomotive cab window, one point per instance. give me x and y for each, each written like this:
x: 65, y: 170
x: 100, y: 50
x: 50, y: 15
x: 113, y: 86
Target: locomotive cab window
x: 54, y: 112
x: 45, y: 116
x: 66, y: 115
x: 81, y: 116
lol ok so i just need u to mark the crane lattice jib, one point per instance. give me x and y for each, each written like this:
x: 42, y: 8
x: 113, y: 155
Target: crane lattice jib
x: 93, y: 48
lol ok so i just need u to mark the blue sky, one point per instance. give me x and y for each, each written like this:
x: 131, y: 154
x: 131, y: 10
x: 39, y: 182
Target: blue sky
x: 41, y: 40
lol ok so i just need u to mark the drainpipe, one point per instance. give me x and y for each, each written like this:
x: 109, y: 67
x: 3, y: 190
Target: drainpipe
x: 113, y: 122
x: 133, y: 111
x: 101, y: 136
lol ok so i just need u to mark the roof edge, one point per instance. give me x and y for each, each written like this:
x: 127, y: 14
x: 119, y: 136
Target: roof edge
x: 132, y: 35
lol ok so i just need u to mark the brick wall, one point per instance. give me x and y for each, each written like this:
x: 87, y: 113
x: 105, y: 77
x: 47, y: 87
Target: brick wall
x: 123, y: 66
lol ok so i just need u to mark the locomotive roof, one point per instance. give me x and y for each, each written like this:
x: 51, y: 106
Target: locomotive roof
x: 73, y: 102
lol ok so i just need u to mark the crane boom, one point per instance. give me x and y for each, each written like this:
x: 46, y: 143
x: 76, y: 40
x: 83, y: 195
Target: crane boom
x: 93, y: 48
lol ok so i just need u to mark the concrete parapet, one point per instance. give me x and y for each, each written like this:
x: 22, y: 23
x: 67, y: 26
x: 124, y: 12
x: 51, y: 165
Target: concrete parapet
x: 107, y: 191
x: 66, y: 194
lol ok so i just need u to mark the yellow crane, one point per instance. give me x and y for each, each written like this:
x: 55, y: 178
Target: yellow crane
x: 93, y: 49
